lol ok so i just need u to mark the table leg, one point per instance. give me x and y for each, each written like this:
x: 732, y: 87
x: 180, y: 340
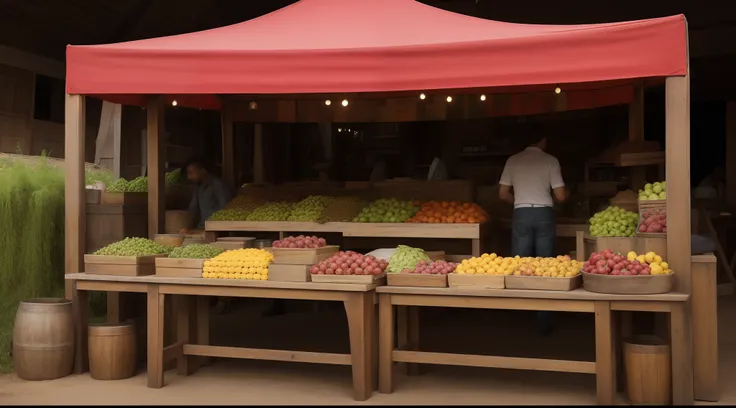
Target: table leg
x: 682, y: 358
x: 408, y: 333
x: 80, y: 305
x: 605, y: 356
x: 359, y: 308
x: 183, y: 311
x: 155, y: 321
x: 203, y: 326
x: 386, y: 344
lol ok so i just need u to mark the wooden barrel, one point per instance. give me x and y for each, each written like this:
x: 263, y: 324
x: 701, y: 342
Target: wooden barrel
x: 648, y: 371
x: 43, y: 339
x: 112, y: 351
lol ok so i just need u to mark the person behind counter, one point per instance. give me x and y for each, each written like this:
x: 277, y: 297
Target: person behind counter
x: 532, y: 174
x: 210, y: 196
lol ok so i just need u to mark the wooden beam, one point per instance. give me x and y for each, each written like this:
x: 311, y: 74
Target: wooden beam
x: 155, y: 139
x: 74, y: 195
x: 258, y: 152
x: 677, y: 142
x: 731, y: 154
x: 32, y: 62
x: 228, y: 148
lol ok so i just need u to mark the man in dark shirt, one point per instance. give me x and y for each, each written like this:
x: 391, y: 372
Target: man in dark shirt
x: 210, y: 196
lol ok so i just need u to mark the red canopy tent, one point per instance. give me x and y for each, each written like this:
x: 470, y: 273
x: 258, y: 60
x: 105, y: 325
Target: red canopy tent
x: 341, y: 46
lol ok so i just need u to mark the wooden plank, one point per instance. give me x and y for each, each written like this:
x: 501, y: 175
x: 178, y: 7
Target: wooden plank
x: 302, y: 256
x: 634, y: 306
x: 80, y: 306
x: 416, y: 279
x: 155, y: 341
x: 121, y: 260
x: 386, y: 344
x: 203, y: 325
x: 461, y: 281
x: 677, y: 107
x: 508, y: 303
x: 155, y: 142
x: 166, y: 262
x: 360, y: 311
x: 605, y: 358
x: 350, y: 279
x: 577, y: 294
x: 178, y: 272
x: 682, y: 355
x: 704, y: 307
x: 101, y: 286
x: 75, y: 226
x: 263, y: 354
x: 289, y: 273
x: 514, y: 363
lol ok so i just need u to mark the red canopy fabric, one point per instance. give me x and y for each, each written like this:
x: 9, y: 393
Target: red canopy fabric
x: 345, y: 46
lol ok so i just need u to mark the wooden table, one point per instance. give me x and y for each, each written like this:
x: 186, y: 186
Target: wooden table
x: 603, y: 306
x: 192, y: 346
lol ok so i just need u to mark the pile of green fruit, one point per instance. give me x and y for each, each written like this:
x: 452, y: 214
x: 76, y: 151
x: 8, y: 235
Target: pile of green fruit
x: 655, y: 191
x: 196, y: 251
x: 231, y: 214
x: 137, y: 185
x: 387, y: 210
x: 405, y: 257
x: 342, y: 209
x: 175, y: 177
x: 614, y: 222
x: 309, y: 209
x: 134, y: 247
x: 276, y: 211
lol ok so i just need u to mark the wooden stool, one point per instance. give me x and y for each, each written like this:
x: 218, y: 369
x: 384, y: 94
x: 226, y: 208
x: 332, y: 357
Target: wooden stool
x: 112, y: 351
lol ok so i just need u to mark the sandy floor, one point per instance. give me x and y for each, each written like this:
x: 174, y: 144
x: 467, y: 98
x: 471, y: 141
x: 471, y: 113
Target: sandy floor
x: 253, y: 382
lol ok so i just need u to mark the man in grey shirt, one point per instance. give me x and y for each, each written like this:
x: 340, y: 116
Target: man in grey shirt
x: 210, y: 196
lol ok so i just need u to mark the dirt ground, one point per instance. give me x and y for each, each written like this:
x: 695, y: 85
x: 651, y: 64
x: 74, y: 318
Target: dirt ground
x: 230, y: 382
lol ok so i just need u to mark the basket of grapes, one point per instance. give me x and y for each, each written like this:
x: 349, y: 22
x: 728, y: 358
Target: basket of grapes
x: 129, y: 257
x: 186, y: 261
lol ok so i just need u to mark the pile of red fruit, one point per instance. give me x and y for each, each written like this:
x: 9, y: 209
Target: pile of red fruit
x: 432, y: 268
x: 653, y: 221
x: 609, y: 263
x: 300, y: 242
x: 350, y: 263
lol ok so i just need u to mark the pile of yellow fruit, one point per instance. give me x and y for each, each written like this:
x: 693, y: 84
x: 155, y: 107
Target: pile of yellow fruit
x: 249, y: 263
x: 657, y: 265
x: 559, y: 267
x: 488, y: 264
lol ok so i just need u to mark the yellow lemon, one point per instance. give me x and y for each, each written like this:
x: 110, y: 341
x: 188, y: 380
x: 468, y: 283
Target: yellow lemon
x: 470, y: 271
x: 664, y: 265
x: 631, y: 256
x: 641, y: 259
x: 656, y: 269
x: 657, y: 259
x: 649, y: 257
x: 494, y: 256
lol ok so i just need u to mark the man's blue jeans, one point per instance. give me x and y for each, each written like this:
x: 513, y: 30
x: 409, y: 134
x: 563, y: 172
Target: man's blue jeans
x: 533, y: 234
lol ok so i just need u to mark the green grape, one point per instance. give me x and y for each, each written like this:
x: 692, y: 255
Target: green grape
x: 614, y: 222
x: 275, y: 211
x: 196, y: 251
x: 405, y: 257
x: 309, y: 209
x: 134, y: 247
x: 387, y: 210
x: 118, y: 186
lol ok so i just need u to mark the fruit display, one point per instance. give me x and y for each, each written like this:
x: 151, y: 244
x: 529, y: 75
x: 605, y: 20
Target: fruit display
x: 387, y: 210
x: 608, y: 262
x: 488, y: 264
x: 134, y: 247
x: 349, y: 263
x: 654, y: 191
x: 614, y: 222
x: 230, y: 214
x: 274, y: 211
x: 244, y: 202
x: 449, y: 212
x: 309, y: 209
x: 300, y: 242
x: 558, y: 267
x: 431, y: 268
x: 249, y: 264
x: 653, y: 221
x: 137, y: 185
x: 341, y: 209
x: 405, y: 257
x: 175, y: 177
x: 196, y: 251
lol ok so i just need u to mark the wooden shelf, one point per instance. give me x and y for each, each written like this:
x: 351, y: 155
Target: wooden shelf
x: 354, y: 229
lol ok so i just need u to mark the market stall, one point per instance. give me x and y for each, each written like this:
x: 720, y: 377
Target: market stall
x: 292, y: 54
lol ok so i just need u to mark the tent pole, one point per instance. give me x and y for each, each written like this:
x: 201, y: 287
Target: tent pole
x: 155, y: 163
x: 74, y: 194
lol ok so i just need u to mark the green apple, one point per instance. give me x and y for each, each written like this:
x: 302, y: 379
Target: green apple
x: 648, y: 186
x: 653, y: 196
x: 648, y: 191
x: 663, y: 195
x: 664, y: 185
x: 657, y: 189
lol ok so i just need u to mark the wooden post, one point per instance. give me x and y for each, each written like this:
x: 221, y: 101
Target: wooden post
x: 677, y: 141
x: 731, y: 154
x: 258, y: 154
x: 228, y: 149
x: 155, y: 133
x: 74, y: 196
x: 636, y: 133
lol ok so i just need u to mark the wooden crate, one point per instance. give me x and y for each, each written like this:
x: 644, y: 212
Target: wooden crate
x: 108, y: 198
x: 228, y: 245
x: 362, y: 279
x: 247, y: 240
x: 417, y: 279
x: 543, y: 283
x: 289, y: 273
x: 302, y: 256
x: 436, y: 255
x: 93, y: 196
x: 462, y: 281
x: 179, y: 267
x: 628, y: 285
x: 120, y: 265
x: 652, y: 205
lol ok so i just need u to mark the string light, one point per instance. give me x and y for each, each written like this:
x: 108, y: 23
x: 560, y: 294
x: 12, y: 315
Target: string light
x: 422, y: 96
x: 558, y: 90
x: 482, y: 97
x: 449, y: 99
x: 328, y: 102
x: 344, y: 102
x: 174, y: 103
x: 253, y: 106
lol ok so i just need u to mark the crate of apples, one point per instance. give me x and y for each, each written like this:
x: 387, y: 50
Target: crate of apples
x: 607, y: 262
x: 635, y: 274
x: 300, y: 241
x: 432, y: 268
x: 425, y: 274
x: 653, y: 222
x: 348, y: 267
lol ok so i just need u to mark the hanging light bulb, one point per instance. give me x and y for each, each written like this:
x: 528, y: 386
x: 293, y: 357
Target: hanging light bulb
x: 344, y: 102
x: 449, y: 99
x: 174, y: 103
x: 328, y: 102
x: 253, y: 106
x: 482, y: 97
x: 422, y: 96
x: 558, y: 90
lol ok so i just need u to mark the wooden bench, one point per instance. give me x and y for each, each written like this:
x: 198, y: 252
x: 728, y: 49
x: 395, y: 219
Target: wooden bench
x: 407, y: 300
x: 191, y: 347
